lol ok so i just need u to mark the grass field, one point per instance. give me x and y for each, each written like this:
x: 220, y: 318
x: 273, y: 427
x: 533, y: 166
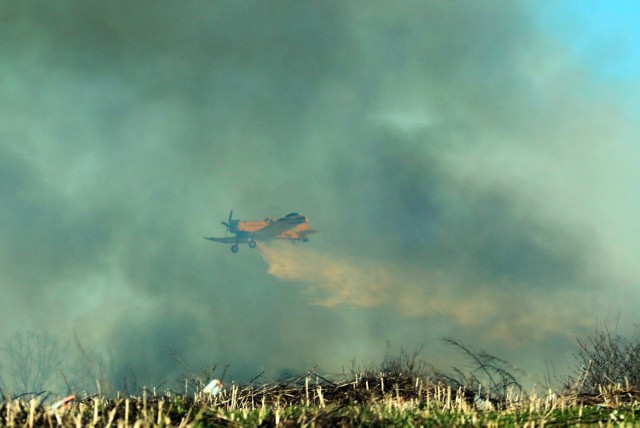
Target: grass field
x: 402, y: 391
x: 387, y: 399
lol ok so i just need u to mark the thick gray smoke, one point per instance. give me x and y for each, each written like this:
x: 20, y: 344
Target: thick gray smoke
x: 467, y: 178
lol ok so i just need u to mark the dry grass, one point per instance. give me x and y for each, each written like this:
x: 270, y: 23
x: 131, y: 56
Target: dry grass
x: 402, y: 391
x: 311, y: 400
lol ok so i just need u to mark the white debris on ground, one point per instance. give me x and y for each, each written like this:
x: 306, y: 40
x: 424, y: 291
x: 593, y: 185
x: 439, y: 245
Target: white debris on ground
x: 214, y: 387
x: 63, y: 403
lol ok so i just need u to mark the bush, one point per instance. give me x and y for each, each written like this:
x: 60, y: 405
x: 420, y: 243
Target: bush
x: 606, y: 359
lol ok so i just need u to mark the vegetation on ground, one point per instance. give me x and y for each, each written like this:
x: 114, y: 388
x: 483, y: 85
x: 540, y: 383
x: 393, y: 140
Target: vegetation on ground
x: 401, y: 391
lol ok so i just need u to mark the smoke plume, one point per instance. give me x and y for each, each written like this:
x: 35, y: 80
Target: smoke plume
x: 470, y: 179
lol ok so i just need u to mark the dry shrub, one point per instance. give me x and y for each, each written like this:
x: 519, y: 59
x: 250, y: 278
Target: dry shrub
x: 606, y: 360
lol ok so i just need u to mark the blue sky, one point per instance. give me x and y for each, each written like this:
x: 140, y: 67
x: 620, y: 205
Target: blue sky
x: 603, y: 34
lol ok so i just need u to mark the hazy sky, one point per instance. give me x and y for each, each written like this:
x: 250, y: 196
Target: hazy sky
x: 472, y: 168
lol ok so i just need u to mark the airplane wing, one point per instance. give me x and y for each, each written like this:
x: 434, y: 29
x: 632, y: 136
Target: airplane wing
x: 279, y: 226
x: 306, y: 232
x: 227, y: 240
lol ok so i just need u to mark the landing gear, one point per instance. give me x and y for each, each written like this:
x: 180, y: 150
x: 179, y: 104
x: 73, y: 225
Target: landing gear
x: 234, y: 248
x: 252, y: 244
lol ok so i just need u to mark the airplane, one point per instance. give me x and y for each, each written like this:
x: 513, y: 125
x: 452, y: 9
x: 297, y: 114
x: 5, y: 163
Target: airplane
x: 293, y: 226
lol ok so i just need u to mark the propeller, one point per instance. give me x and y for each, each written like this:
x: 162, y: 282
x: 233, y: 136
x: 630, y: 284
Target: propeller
x: 227, y: 223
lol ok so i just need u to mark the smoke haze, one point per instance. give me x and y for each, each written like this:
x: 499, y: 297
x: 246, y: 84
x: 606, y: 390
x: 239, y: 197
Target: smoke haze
x: 468, y: 177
